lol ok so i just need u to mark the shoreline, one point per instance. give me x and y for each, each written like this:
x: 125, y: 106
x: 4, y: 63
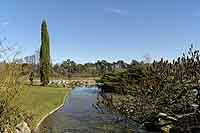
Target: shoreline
x: 35, y: 130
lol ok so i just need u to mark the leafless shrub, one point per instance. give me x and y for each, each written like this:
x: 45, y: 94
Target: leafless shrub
x: 10, y: 85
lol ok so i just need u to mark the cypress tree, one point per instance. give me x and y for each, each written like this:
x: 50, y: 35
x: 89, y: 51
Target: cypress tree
x: 44, y: 55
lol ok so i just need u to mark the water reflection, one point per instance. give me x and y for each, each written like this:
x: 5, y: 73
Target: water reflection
x: 86, y: 110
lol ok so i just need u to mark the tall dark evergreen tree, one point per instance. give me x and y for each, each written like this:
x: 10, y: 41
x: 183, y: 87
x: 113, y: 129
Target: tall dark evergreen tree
x: 44, y: 55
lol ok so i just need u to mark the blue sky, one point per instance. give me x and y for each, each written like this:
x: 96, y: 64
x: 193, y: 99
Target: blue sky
x: 91, y: 30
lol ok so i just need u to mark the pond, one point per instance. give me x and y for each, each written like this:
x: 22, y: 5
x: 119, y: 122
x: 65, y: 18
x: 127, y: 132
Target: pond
x: 83, y: 113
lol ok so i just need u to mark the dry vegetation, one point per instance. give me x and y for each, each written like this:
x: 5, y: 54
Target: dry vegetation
x: 11, y: 78
x: 170, y: 88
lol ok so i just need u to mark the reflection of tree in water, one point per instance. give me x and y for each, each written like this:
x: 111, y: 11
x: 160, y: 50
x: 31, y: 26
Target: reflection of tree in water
x: 104, y: 102
x: 104, y: 105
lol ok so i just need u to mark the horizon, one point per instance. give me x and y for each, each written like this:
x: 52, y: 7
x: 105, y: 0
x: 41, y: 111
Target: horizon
x: 103, y: 30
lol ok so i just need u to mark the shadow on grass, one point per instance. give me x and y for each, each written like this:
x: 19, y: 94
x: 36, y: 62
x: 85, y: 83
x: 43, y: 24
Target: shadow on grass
x: 28, y: 84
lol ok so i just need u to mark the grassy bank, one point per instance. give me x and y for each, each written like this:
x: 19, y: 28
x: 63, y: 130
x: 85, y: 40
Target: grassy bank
x: 39, y: 101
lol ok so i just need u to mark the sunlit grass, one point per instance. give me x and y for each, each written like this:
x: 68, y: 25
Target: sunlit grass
x: 39, y: 101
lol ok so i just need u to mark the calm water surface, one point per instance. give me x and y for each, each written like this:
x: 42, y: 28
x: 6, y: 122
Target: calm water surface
x: 81, y: 113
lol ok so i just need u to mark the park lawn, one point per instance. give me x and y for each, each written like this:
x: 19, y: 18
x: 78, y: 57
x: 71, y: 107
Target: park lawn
x: 39, y: 101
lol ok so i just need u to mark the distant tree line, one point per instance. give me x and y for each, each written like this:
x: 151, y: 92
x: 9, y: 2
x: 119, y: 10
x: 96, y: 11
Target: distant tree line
x: 70, y: 68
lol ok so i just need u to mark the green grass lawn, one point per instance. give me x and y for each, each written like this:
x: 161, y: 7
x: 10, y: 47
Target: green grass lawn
x: 40, y: 101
